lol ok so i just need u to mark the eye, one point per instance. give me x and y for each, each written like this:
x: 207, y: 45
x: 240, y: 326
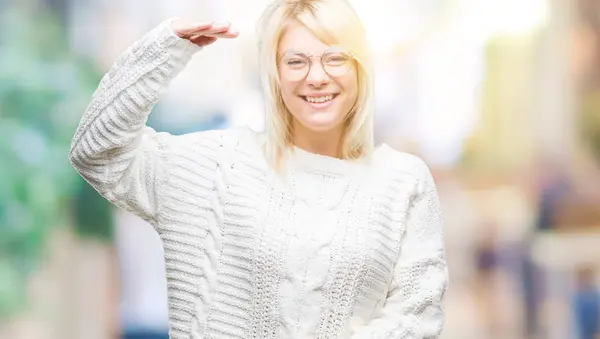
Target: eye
x: 295, y: 62
x: 337, y: 59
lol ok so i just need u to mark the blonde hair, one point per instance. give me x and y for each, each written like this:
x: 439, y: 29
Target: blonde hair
x: 335, y: 23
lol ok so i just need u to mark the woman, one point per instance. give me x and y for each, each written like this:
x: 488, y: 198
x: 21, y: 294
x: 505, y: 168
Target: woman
x: 305, y: 231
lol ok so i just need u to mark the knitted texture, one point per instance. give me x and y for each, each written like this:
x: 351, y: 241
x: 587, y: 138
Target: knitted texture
x: 328, y: 248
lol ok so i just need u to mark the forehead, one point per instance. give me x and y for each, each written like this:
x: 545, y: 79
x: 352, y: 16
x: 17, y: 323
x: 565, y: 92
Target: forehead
x: 298, y: 37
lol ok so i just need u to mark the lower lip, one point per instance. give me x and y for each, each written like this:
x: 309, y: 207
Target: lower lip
x: 321, y: 105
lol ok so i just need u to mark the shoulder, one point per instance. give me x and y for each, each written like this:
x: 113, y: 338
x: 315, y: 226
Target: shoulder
x: 400, y: 162
x: 213, y: 143
x: 217, y: 138
x: 406, y: 170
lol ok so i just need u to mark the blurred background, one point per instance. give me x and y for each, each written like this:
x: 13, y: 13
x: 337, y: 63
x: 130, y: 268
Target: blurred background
x: 500, y: 97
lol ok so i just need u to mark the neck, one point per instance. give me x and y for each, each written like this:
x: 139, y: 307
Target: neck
x: 326, y: 143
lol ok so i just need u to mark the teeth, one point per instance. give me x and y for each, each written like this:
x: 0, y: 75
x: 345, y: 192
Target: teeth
x: 319, y: 99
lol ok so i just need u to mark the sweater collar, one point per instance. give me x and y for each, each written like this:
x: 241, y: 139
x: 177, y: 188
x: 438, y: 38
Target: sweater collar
x: 303, y: 159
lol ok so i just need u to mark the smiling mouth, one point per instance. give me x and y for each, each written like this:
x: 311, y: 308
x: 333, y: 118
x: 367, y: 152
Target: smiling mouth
x: 319, y: 100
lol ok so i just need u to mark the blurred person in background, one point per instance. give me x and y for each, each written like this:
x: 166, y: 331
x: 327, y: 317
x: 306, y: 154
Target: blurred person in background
x: 586, y: 305
x: 308, y: 230
x: 487, y: 266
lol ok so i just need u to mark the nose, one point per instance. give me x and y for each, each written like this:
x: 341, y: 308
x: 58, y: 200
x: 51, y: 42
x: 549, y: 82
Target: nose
x: 317, y: 77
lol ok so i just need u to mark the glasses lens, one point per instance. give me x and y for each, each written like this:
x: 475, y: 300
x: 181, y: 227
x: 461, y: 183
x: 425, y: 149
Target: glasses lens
x: 337, y: 63
x: 294, y: 67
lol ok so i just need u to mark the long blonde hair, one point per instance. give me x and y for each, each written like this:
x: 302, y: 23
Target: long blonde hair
x: 335, y: 23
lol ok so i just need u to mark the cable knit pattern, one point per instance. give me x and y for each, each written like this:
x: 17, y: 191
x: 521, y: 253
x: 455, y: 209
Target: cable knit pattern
x: 328, y: 248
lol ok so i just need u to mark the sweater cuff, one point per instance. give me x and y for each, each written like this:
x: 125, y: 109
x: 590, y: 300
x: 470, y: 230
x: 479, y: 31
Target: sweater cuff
x: 180, y: 48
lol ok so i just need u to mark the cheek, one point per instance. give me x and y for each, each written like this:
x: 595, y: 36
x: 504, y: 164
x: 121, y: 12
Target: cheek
x: 350, y: 86
x: 288, y: 93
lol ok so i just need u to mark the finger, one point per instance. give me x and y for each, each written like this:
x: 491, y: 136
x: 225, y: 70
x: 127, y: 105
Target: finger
x: 202, y: 25
x: 192, y: 28
x: 207, y: 31
x: 221, y: 31
x: 215, y: 28
x: 226, y: 35
x: 221, y: 25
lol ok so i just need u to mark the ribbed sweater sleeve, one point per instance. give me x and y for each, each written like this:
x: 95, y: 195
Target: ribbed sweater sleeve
x: 113, y: 149
x: 414, y: 304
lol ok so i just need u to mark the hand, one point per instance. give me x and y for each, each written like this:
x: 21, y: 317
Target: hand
x: 202, y: 33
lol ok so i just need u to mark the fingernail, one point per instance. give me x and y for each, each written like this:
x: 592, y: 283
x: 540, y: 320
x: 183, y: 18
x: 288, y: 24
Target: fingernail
x: 221, y: 23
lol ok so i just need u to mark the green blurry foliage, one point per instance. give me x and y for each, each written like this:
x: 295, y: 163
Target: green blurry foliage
x: 44, y: 89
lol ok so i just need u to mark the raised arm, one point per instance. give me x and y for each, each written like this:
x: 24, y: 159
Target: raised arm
x: 113, y: 149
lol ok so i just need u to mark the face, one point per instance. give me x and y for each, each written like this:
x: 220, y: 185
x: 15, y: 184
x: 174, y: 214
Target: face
x: 319, y: 101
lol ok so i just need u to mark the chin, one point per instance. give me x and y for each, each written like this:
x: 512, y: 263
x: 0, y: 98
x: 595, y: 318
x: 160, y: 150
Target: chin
x: 321, y: 122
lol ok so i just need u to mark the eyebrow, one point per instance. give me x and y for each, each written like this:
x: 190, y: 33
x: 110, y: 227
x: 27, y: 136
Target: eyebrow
x: 294, y: 51
x: 336, y: 48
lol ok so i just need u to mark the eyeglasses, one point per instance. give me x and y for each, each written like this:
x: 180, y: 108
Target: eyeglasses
x: 336, y: 62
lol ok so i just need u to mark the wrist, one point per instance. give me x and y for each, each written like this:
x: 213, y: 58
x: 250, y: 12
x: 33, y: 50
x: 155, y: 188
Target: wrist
x: 171, y: 23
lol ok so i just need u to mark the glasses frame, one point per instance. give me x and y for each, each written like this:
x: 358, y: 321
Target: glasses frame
x: 330, y: 50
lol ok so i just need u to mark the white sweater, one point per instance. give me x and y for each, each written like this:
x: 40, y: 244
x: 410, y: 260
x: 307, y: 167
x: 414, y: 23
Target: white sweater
x: 332, y: 249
